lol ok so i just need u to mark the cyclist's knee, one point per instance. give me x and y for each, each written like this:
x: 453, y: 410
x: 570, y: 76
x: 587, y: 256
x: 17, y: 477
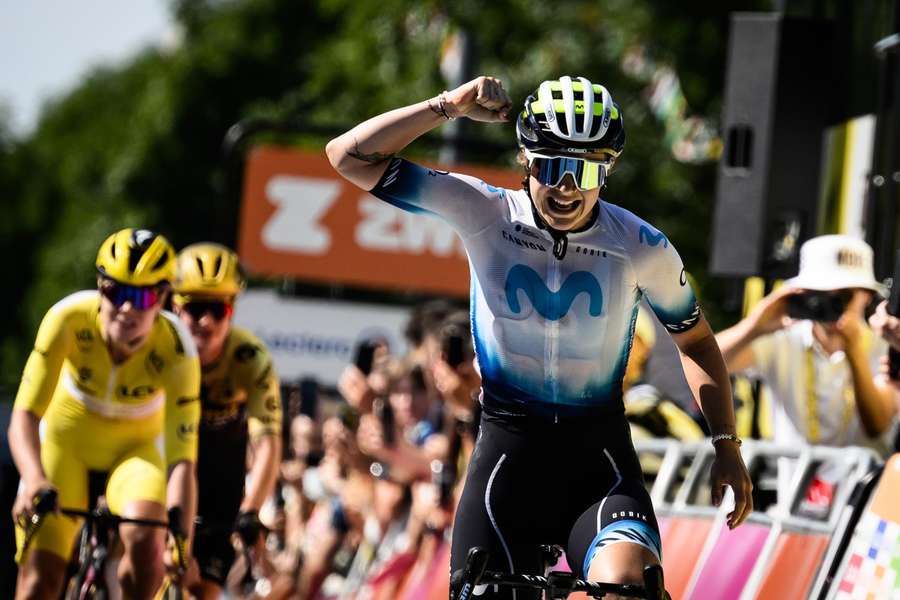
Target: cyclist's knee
x: 41, y: 577
x: 144, y: 548
x: 620, y: 563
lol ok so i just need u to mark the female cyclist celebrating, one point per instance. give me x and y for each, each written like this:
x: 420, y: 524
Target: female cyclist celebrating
x: 556, y: 276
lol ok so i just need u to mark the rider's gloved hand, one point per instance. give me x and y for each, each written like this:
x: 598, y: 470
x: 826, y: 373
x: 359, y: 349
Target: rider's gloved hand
x: 248, y: 527
x: 177, y: 559
x: 39, y: 498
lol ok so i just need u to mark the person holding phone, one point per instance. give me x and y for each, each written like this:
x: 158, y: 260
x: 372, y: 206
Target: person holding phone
x: 809, y: 342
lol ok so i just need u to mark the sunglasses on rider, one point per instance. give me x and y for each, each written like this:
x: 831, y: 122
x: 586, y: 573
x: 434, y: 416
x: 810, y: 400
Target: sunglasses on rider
x: 141, y: 297
x: 217, y: 309
x: 588, y: 174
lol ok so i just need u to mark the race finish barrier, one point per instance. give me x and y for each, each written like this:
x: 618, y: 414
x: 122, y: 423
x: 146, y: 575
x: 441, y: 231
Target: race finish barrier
x: 780, y: 553
x: 870, y: 569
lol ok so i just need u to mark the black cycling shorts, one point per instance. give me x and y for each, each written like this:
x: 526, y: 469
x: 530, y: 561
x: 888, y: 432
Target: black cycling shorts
x: 214, y: 553
x: 575, y: 483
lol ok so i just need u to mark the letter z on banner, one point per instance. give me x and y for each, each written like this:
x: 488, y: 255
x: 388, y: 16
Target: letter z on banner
x: 301, y: 219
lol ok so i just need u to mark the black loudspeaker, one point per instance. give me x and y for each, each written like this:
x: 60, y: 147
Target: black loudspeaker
x: 781, y: 92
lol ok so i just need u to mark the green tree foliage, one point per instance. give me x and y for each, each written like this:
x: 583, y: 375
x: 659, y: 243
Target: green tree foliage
x: 140, y: 144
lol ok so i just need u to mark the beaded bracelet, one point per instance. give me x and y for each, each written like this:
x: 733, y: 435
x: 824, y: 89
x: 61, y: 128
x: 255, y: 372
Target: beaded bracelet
x: 726, y: 436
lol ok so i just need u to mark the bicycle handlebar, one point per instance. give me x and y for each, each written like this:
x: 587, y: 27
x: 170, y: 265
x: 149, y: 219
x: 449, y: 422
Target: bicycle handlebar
x: 558, y: 584
x: 108, y: 518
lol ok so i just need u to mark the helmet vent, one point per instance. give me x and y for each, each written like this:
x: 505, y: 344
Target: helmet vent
x: 200, y: 266
x: 162, y: 261
x: 218, y: 264
x: 134, y: 257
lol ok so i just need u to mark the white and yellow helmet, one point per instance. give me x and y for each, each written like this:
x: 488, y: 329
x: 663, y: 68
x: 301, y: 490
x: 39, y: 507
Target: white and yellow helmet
x: 571, y: 116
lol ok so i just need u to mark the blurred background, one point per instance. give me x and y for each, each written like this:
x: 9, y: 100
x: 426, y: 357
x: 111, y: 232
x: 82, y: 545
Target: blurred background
x: 752, y: 125
x: 117, y: 116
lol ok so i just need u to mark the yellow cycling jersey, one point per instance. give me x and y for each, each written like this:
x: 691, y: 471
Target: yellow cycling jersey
x: 241, y: 401
x: 241, y: 387
x: 71, y: 382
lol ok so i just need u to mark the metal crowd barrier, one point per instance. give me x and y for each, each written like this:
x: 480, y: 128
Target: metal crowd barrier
x: 777, y: 553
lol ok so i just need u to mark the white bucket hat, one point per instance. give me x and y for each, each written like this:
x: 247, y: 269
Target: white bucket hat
x: 834, y: 262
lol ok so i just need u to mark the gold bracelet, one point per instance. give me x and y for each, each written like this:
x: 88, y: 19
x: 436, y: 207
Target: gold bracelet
x: 725, y: 436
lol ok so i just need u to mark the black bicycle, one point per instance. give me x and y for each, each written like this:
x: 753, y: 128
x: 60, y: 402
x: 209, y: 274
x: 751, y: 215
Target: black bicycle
x: 94, y: 543
x: 556, y: 584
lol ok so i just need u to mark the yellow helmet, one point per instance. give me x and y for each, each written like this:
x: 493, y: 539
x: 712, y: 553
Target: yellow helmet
x: 137, y: 257
x: 208, y: 269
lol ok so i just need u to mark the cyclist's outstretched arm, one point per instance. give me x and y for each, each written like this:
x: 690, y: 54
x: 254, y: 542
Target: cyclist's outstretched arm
x: 38, y: 383
x: 263, y: 471
x: 707, y: 376
x: 361, y: 154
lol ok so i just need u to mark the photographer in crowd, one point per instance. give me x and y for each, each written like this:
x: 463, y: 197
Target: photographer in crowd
x: 809, y: 342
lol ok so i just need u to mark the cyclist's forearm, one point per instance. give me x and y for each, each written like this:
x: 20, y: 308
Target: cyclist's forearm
x: 25, y: 446
x: 361, y: 155
x: 182, y: 492
x: 263, y: 471
x: 707, y: 377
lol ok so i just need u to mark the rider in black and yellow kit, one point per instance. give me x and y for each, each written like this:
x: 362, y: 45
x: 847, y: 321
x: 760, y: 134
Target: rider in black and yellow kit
x: 241, y: 405
x: 113, y: 383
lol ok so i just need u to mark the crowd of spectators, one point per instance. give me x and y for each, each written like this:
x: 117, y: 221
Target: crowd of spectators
x: 371, y: 474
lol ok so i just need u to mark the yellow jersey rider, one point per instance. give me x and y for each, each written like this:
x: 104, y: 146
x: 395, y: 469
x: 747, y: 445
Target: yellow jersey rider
x: 241, y: 403
x: 110, y: 374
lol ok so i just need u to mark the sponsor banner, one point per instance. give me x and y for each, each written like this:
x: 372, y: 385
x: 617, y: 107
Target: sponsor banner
x: 316, y: 338
x: 300, y: 219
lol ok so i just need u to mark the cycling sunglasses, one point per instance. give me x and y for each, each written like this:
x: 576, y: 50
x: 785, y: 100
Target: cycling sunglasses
x: 141, y: 297
x: 217, y: 309
x: 588, y: 174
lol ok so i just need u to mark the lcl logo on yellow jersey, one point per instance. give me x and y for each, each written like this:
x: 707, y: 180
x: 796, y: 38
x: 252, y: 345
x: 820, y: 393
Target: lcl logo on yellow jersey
x: 138, y: 391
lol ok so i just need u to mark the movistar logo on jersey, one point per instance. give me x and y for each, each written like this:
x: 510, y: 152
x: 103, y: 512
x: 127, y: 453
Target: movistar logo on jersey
x: 652, y: 238
x: 552, y: 305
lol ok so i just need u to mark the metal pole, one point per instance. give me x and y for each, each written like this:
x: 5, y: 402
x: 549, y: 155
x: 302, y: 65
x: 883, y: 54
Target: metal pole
x: 884, y: 182
x: 459, y: 70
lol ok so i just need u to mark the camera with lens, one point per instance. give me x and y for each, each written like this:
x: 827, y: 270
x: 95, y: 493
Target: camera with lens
x: 825, y: 307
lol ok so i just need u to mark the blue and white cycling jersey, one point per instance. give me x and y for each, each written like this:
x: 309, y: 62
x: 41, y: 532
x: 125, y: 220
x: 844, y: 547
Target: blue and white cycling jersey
x: 550, y: 335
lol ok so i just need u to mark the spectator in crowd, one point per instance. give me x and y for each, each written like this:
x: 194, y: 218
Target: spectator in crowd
x: 300, y: 483
x: 425, y: 319
x: 809, y: 342
x: 887, y: 326
x: 241, y: 413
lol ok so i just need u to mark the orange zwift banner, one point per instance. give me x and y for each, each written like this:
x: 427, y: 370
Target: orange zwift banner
x: 300, y: 219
